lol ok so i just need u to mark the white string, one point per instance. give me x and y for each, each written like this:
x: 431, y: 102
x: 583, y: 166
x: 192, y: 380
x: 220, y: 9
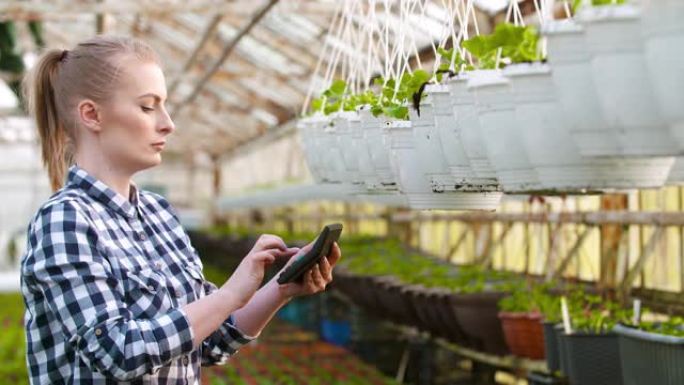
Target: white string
x: 326, y: 44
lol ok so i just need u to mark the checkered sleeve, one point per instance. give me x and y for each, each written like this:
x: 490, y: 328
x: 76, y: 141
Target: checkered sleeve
x: 227, y: 339
x: 72, y: 276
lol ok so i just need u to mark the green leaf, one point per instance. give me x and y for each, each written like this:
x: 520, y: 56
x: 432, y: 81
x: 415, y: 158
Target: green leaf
x: 317, y: 104
x: 478, y: 46
x: 397, y: 112
x: 332, y: 107
x: 338, y: 87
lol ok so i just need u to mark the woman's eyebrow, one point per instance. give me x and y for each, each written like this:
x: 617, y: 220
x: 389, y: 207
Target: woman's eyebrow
x: 156, y: 97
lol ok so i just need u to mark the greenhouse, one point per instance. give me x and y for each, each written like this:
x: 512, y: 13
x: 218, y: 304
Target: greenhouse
x: 366, y: 192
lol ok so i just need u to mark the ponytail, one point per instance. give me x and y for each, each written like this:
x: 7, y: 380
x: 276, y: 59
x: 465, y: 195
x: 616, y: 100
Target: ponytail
x: 55, y: 141
x: 61, y: 79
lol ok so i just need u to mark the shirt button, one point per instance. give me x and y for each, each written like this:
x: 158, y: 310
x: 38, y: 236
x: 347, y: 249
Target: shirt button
x: 186, y: 360
x: 158, y: 265
x: 142, y: 236
x: 179, y: 293
x: 98, y: 332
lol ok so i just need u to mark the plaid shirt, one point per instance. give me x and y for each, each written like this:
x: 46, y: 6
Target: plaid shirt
x: 104, y: 280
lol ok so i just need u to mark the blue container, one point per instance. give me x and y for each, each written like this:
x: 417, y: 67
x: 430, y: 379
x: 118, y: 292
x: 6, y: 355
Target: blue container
x: 336, y: 332
x: 301, y: 312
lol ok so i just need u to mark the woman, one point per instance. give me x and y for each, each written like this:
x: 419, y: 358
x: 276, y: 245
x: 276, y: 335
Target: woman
x: 113, y: 289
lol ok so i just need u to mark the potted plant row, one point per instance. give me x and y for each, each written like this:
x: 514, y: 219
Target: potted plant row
x: 456, y: 303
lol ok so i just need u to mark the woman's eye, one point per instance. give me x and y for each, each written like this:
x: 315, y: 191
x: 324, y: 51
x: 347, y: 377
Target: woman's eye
x: 147, y: 109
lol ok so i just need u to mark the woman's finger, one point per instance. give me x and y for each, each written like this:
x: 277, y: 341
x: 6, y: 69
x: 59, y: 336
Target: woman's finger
x: 326, y: 269
x: 268, y: 241
x: 266, y: 256
x: 308, y: 279
x: 318, y: 279
x: 335, y: 254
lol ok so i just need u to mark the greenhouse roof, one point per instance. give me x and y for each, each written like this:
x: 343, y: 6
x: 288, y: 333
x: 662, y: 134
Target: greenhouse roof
x: 236, y: 70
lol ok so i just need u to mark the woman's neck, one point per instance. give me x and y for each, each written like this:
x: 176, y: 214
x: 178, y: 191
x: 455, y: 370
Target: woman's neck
x: 116, y: 179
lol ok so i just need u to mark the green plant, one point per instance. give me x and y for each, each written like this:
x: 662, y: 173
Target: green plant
x: 12, y: 341
x: 517, y: 45
x: 394, y: 98
x: 673, y: 326
x: 592, y: 314
x: 451, y: 62
x: 533, y: 298
x: 332, y: 99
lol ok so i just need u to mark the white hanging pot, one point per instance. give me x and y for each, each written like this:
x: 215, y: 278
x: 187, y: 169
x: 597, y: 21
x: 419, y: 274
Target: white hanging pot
x: 332, y: 156
x: 621, y: 78
x: 467, y: 129
x: 365, y: 166
x: 663, y: 26
x: 502, y: 135
x: 309, y: 129
x: 572, y: 75
x: 556, y: 159
x: 676, y: 176
x: 451, y: 145
x: 413, y: 180
x: 429, y: 149
x: 344, y: 123
x: 372, y: 128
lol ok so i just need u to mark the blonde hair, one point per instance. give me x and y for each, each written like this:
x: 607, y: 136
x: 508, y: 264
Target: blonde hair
x: 61, y: 79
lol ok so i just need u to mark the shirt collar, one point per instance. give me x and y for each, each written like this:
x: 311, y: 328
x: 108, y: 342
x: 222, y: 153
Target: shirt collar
x: 98, y: 190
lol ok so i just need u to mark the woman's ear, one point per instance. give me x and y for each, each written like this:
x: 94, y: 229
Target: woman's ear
x: 89, y: 115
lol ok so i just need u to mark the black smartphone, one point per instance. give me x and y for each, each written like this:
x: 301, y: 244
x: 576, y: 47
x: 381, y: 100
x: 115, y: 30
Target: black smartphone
x: 321, y: 249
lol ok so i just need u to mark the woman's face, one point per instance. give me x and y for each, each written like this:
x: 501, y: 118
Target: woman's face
x: 134, y: 122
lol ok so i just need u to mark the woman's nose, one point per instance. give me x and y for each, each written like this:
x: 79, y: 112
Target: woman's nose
x: 166, y: 124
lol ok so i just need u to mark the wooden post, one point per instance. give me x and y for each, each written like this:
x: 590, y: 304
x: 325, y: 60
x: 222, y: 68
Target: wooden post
x: 611, y: 236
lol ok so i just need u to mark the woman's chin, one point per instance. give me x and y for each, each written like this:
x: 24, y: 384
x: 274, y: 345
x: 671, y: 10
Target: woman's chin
x: 149, y: 162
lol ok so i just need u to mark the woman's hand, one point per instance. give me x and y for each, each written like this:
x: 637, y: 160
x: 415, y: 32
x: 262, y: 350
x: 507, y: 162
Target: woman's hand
x: 316, y: 279
x: 247, y: 278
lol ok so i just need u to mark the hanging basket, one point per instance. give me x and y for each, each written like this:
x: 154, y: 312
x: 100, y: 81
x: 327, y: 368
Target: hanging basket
x: 429, y: 148
x: 310, y: 130
x: 622, y: 83
x: 346, y: 122
x: 572, y: 76
x: 664, y: 30
x: 467, y: 128
x: 414, y: 183
x: 501, y: 133
x: 372, y: 129
x: 571, y: 62
x: 559, y: 165
x: 367, y: 172
x: 439, y: 101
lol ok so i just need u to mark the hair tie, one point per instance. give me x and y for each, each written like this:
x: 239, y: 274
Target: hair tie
x: 64, y: 54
